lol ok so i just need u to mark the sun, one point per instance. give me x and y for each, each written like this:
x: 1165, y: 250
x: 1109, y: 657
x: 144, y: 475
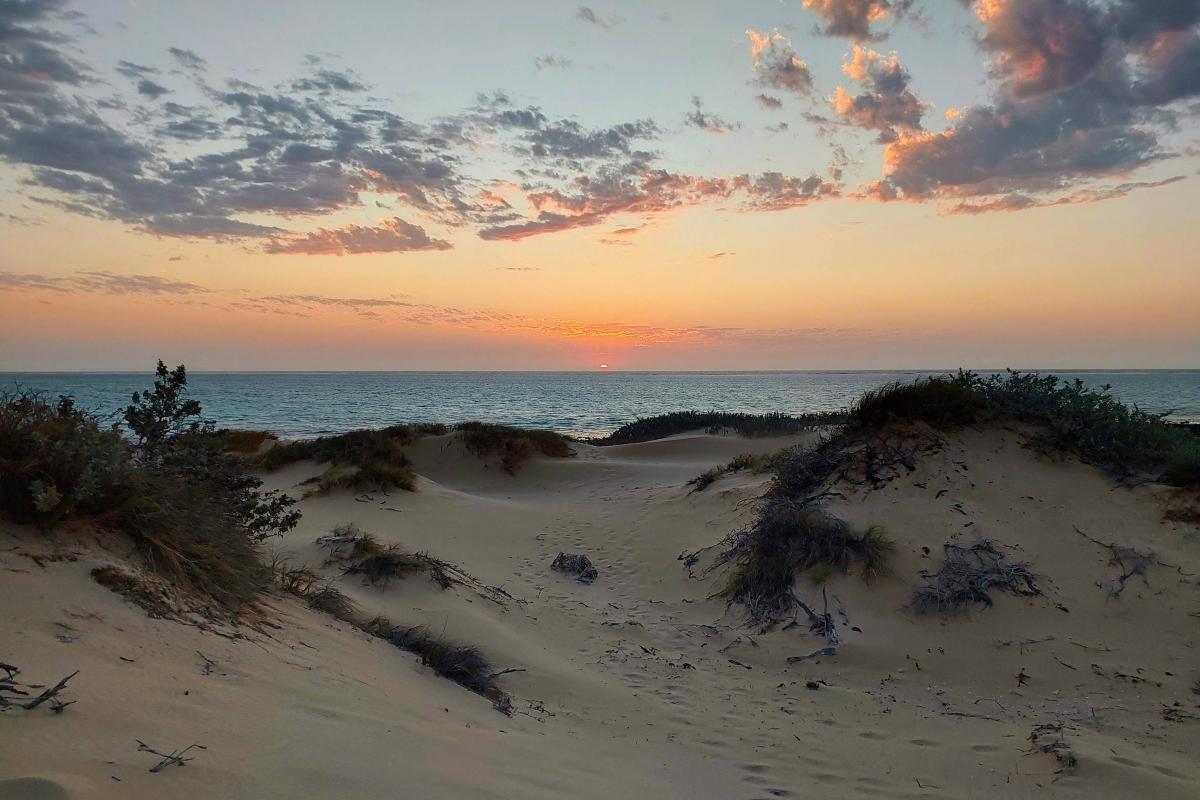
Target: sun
x: 604, y: 366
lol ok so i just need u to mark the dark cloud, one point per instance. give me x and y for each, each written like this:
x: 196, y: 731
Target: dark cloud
x: 698, y: 118
x: 100, y: 281
x: 330, y: 80
x: 885, y: 102
x: 552, y: 62
x: 390, y: 236
x: 768, y: 102
x: 187, y: 59
x: 852, y: 18
x: 149, y: 88
x: 776, y: 64
x: 1083, y: 91
x: 586, y: 14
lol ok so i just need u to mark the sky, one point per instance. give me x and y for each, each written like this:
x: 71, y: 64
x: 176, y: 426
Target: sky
x: 764, y: 184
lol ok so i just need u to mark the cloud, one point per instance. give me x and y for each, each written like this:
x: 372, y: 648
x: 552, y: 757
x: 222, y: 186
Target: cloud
x: 102, y: 282
x: 586, y: 14
x: 187, y: 59
x: 768, y: 102
x: 151, y: 89
x: 697, y: 118
x: 552, y: 62
x: 720, y: 255
x: 886, y: 103
x: 390, y: 236
x: 776, y: 64
x: 1083, y: 88
x: 852, y: 18
x: 329, y: 80
x: 1019, y: 202
x: 658, y: 191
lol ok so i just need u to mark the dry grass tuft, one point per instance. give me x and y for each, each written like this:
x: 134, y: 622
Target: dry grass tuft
x: 511, y: 446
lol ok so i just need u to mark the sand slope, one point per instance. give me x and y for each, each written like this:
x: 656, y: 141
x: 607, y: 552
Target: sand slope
x: 637, y: 685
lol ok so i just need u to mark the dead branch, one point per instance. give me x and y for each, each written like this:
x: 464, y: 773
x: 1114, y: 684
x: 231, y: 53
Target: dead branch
x: 168, y: 759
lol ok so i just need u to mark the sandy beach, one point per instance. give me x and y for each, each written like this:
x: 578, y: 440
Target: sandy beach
x: 640, y: 684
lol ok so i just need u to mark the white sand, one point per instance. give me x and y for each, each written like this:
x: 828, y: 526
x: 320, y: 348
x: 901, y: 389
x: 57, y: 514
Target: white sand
x: 629, y: 688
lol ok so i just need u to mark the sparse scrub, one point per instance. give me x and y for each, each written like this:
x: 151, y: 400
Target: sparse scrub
x: 749, y: 425
x: 187, y: 504
x: 787, y: 538
x: 465, y: 665
x: 349, y: 542
x: 364, y: 460
x: 967, y: 577
x: 512, y: 446
x: 1124, y: 441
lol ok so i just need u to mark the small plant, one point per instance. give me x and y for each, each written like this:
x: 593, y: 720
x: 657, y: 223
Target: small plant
x: 940, y: 402
x: 787, y: 538
x: 736, y: 464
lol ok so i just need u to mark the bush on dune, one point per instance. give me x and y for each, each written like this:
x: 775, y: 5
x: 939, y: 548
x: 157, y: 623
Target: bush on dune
x: 649, y: 428
x: 1090, y: 423
x: 512, y: 446
x: 465, y: 665
x: 171, y: 485
x: 791, y: 534
x: 364, y: 460
x: 787, y: 538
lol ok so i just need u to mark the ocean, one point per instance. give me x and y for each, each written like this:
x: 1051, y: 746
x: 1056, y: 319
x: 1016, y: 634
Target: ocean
x: 301, y: 404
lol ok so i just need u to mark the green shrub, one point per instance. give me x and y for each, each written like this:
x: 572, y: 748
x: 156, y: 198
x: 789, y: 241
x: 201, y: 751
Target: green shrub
x: 189, y: 507
x: 940, y: 402
x: 512, y: 446
x: 363, y: 460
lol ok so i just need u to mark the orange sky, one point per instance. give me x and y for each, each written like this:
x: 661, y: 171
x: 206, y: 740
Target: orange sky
x: 864, y: 267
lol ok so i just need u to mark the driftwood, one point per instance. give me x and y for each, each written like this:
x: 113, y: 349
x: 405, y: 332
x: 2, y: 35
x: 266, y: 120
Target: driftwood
x: 175, y: 757
x: 10, y: 688
x: 1129, y: 560
x: 968, y: 574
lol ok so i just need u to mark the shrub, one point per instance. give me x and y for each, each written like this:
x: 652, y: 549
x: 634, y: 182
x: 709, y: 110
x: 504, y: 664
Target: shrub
x: 367, y: 460
x: 244, y: 442
x: 787, y: 538
x: 189, y: 507
x: 513, y: 446
x: 749, y: 425
x: 940, y: 402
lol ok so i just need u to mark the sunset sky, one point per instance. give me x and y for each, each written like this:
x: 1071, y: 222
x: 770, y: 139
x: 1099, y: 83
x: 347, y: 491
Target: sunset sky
x: 784, y: 184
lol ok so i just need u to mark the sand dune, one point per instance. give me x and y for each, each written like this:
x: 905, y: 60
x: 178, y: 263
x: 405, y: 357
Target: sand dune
x: 640, y: 684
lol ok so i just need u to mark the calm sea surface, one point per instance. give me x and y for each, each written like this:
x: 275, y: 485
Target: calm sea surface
x: 297, y: 404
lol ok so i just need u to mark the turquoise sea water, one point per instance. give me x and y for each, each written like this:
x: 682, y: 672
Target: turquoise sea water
x: 295, y: 404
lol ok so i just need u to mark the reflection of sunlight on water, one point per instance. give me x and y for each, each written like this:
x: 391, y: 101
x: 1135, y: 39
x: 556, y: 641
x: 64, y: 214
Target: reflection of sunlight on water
x: 591, y: 403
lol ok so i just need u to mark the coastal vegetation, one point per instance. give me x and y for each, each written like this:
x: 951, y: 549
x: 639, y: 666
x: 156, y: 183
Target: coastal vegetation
x: 162, y: 476
x: 791, y: 533
x: 749, y: 425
